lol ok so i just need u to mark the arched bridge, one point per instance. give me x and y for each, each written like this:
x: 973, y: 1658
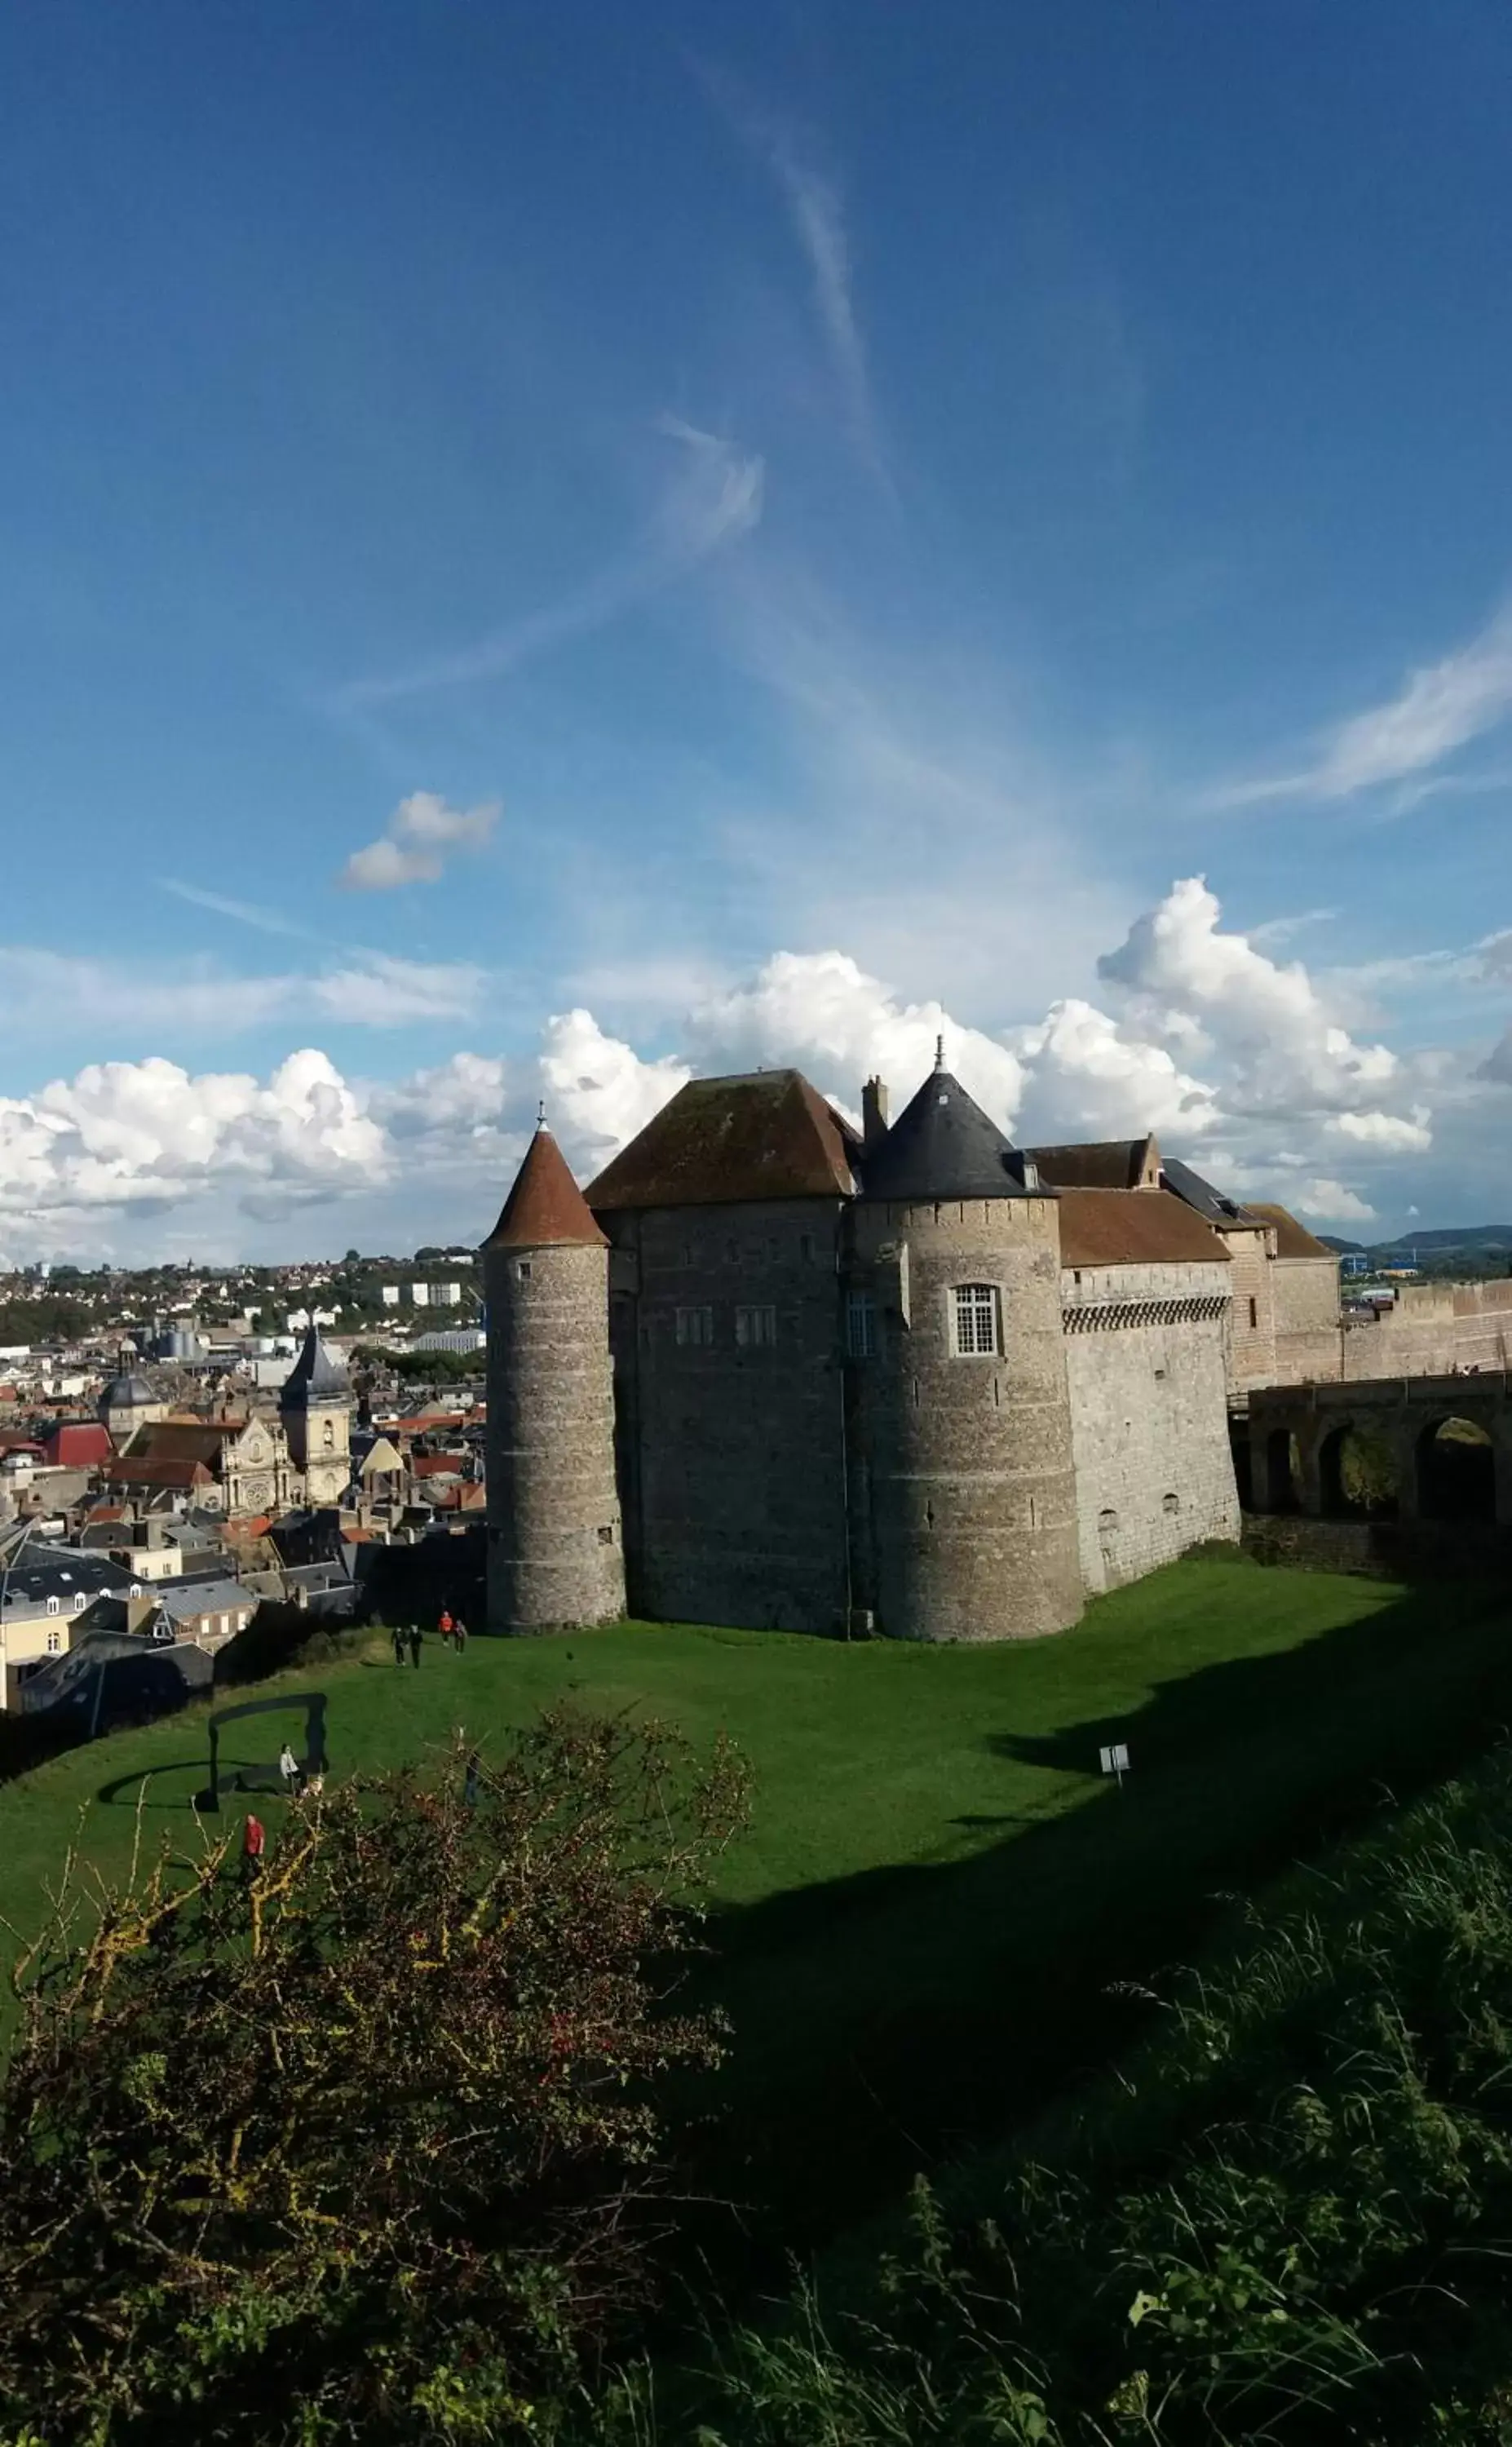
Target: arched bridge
x: 1408, y: 1449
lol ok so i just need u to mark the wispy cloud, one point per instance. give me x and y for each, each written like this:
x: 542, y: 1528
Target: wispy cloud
x: 816, y: 213
x: 1439, y: 710
x: 248, y: 913
x: 714, y: 498
x: 422, y: 833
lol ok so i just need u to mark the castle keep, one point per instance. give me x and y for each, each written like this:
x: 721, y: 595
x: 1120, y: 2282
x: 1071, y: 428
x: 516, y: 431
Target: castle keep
x: 770, y: 1370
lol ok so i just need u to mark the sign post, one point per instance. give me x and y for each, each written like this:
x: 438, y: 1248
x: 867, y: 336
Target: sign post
x: 1115, y: 1761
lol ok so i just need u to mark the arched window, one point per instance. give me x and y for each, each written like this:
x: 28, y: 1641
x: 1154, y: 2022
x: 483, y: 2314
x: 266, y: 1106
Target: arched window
x: 975, y: 1319
x: 327, y: 1435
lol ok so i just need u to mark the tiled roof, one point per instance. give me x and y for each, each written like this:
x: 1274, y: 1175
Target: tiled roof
x: 1102, y: 1163
x: 148, y: 1469
x: 1292, y: 1240
x: 1134, y: 1228
x: 941, y: 1145
x: 726, y: 1142
x: 545, y: 1210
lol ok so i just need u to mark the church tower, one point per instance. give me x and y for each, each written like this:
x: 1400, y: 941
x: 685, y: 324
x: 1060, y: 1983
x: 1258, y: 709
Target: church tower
x: 555, y: 1552
x: 315, y: 1407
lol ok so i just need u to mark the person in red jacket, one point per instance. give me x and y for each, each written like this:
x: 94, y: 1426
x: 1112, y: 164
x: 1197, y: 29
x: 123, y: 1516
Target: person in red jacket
x: 445, y: 1626
x: 253, y: 1840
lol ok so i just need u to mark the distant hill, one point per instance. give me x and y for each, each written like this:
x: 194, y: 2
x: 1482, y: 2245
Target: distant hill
x: 1465, y: 1240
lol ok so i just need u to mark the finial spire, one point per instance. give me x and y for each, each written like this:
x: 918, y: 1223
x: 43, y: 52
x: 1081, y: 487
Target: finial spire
x: 540, y: 1114
x: 939, y: 1053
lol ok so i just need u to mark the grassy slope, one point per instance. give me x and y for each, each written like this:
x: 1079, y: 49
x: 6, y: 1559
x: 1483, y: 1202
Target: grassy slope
x: 939, y: 1887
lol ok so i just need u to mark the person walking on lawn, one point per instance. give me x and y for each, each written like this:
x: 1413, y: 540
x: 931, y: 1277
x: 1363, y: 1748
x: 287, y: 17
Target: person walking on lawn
x: 253, y: 1840
x: 459, y: 1635
x: 399, y: 1643
x: 414, y: 1646
x: 288, y: 1770
x: 445, y: 1627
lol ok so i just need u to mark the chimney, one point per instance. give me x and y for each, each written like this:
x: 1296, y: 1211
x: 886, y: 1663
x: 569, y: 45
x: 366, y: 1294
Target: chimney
x: 874, y: 1111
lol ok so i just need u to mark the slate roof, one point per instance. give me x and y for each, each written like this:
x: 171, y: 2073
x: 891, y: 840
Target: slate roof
x: 941, y: 1145
x: 124, y: 1392
x: 315, y: 1377
x: 1135, y: 1227
x: 726, y: 1142
x: 1102, y: 1163
x: 1292, y: 1240
x: 1200, y: 1195
x: 43, y: 1572
x: 545, y: 1210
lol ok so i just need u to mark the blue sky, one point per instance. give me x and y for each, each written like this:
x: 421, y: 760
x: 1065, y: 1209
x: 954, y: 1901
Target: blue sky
x: 892, y: 491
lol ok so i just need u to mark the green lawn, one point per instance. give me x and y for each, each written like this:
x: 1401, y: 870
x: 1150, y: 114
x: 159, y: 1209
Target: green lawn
x: 938, y: 1888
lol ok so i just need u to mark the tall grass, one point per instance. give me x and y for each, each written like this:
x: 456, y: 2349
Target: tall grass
x: 1291, y: 2223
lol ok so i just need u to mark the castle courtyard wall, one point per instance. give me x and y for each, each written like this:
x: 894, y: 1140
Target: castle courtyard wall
x: 732, y: 1450
x: 1146, y: 1360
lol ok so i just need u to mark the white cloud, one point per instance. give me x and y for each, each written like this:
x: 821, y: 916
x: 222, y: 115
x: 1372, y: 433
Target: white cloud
x: 422, y: 830
x: 598, y: 1091
x: 128, y: 1135
x: 1331, y: 1202
x: 1087, y: 1079
x: 1385, y: 1129
x: 1437, y: 710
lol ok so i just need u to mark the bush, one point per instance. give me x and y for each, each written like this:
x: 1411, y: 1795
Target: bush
x: 368, y: 2147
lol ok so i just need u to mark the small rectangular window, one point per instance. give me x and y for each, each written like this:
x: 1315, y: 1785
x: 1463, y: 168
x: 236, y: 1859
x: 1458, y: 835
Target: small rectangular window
x: 695, y: 1327
x: 523, y: 1271
x: 755, y: 1328
x: 1255, y: 1315
x: 975, y: 1319
x: 860, y: 1325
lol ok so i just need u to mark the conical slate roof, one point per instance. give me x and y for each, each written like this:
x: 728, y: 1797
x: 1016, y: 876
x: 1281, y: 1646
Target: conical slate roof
x: 315, y: 1377
x: 942, y: 1146
x: 545, y: 1208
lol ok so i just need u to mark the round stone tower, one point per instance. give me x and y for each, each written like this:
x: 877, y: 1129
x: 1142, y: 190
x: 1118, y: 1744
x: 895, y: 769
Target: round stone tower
x: 962, y: 1399
x: 555, y: 1551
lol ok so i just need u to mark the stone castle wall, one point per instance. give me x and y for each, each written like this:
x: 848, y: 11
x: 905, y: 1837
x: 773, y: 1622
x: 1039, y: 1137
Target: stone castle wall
x: 555, y: 1551
x: 732, y: 1449
x: 1149, y: 1409
x: 964, y: 1496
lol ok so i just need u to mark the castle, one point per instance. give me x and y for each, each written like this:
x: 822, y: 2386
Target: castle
x: 769, y: 1371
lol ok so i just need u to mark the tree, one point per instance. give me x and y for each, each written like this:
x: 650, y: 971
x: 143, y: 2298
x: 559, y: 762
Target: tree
x: 368, y: 2149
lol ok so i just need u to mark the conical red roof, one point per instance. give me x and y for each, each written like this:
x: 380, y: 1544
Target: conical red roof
x: 545, y: 1207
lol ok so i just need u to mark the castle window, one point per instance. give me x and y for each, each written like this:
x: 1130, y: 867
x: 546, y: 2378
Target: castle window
x: 695, y: 1327
x: 860, y: 1326
x: 327, y: 1435
x: 1171, y: 1504
x: 975, y: 1320
x: 755, y: 1328
x: 606, y: 1535
x: 523, y: 1271
x: 806, y: 1247
x: 1255, y: 1315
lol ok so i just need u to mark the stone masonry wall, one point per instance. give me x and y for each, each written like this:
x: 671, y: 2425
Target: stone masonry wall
x: 1149, y: 1422
x: 1252, y: 1313
x: 963, y: 1485
x: 732, y: 1450
x: 554, y: 1554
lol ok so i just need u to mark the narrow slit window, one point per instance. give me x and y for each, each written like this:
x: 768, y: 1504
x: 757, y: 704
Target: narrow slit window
x: 860, y: 1326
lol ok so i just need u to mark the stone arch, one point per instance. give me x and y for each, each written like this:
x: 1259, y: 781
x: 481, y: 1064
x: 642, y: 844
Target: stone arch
x: 1455, y: 1464
x: 1357, y: 1474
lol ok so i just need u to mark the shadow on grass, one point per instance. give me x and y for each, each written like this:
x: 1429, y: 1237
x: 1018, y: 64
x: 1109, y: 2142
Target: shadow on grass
x: 905, y: 2016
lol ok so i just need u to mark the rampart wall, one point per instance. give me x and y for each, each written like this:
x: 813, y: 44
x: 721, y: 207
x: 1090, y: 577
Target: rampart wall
x: 1148, y: 1374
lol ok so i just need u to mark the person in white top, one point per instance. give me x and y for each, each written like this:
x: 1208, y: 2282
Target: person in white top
x: 289, y: 1769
